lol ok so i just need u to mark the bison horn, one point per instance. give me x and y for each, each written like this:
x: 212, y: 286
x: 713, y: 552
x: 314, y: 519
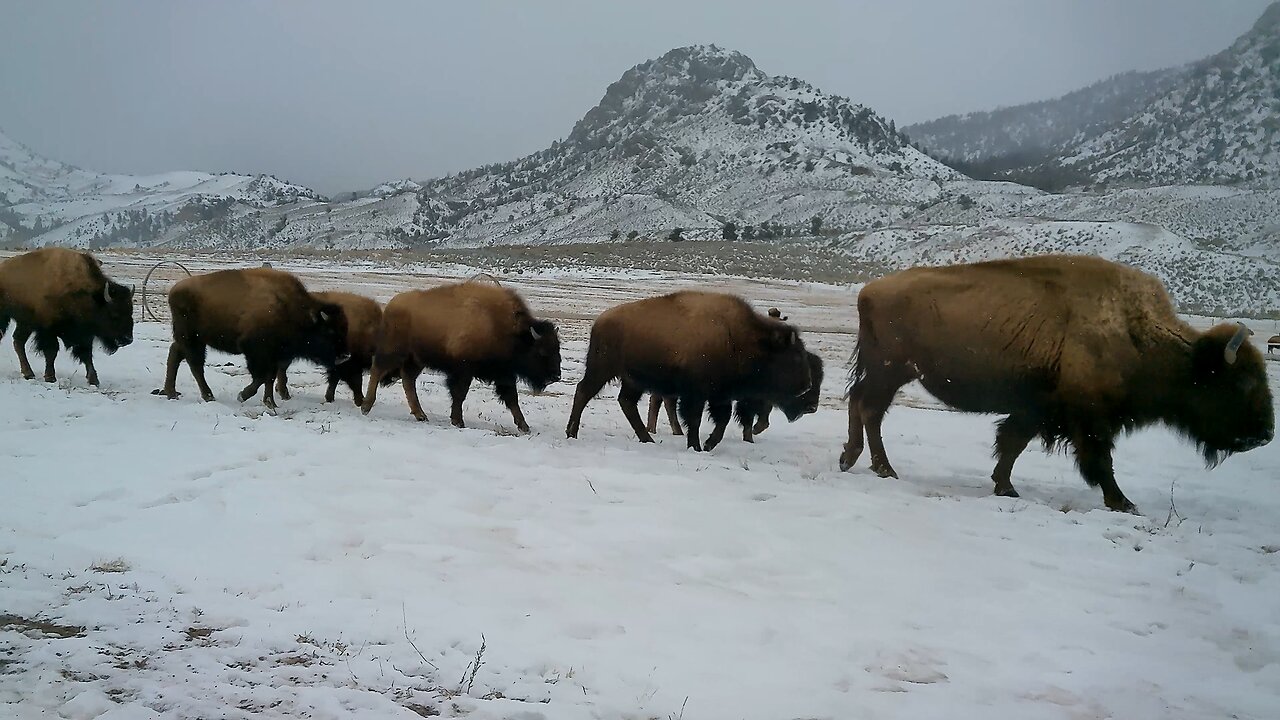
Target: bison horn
x: 534, y: 332
x: 1233, y: 345
x: 106, y: 293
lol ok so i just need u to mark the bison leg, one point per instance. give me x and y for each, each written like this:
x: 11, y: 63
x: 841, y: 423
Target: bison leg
x: 507, y: 393
x: 629, y: 400
x: 655, y: 405
x: 195, y: 353
x: 84, y: 353
x: 1093, y: 457
x: 745, y: 411
x: 459, y: 386
x: 762, y: 419
x: 691, y: 412
x: 170, y: 389
x: 263, y: 372
x: 282, y: 383
x: 21, y: 334
x: 874, y: 405
x: 378, y: 371
x: 721, y: 413
x: 47, y: 345
x: 854, y: 444
x: 409, y: 381
x: 1012, y: 436
x: 591, y: 384
x: 673, y: 419
x: 351, y: 375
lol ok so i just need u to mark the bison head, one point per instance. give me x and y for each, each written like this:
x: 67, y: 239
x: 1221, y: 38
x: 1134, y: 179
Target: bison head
x: 113, y: 321
x: 1228, y: 407
x: 795, y: 406
x: 326, y: 338
x: 538, y: 355
x: 784, y: 366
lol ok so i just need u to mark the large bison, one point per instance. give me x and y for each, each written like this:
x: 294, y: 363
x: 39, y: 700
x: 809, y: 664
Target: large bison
x: 63, y: 295
x: 752, y: 414
x: 708, y: 349
x: 266, y: 315
x: 1073, y: 350
x: 364, y: 317
x: 468, y: 331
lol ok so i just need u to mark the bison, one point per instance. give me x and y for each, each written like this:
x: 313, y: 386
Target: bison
x: 364, y: 316
x: 266, y: 315
x: 1072, y: 350
x: 752, y: 415
x: 706, y: 348
x: 63, y: 295
x: 468, y: 331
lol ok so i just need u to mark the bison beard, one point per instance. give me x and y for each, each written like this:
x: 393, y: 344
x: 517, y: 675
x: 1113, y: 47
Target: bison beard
x: 708, y: 349
x: 61, y: 295
x: 1073, y: 350
x: 469, y: 331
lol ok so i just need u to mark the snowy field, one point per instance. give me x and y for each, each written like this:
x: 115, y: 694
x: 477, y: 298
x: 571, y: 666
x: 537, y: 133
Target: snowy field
x: 183, y: 560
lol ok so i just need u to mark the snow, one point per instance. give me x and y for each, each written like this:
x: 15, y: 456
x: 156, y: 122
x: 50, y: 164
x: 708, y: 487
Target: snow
x: 322, y: 563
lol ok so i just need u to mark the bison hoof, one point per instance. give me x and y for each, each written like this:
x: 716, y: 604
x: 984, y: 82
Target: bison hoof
x: 1123, y: 505
x: 419, y: 416
x: 711, y: 445
x: 1007, y: 491
x: 759, y: 428
x: 524, y: 429
x: 93, y: 380
x: 455, y: 422
x: 284, y: 394
x: 270, y: 404
x: 207, y: 397
x: 884, y: 470
x: 50, y: 378
x: 171, y: 394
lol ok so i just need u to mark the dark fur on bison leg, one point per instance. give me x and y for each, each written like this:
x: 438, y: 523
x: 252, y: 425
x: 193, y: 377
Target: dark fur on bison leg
x: 591, y: 384
x: 629, y: 400
x: 84, y: 353
x: 673, y: 418
x: 1093, y: 457
x: 47, y: 344
x: 721, y: 412
x: 459, y: 386
x: 21, y: 334
x: 282, y: 383
x: 1012, y: 435
x: 854, y: 444
x: 762, y: 419
x: 351, y: 375
x: 409, y: 381
x: 195, y: 353
x: 691, y: 412
x: 655, y: 406
x: 507, y: 393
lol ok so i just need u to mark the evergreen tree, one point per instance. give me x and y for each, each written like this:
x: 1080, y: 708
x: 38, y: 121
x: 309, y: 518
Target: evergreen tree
x: 815, y: 226
x: 676, y: 235
x: 729, y: 231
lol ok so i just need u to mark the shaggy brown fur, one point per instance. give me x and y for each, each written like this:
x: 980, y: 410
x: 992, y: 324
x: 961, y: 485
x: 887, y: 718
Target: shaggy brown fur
x: 364, y: 316
x: 62, y: 295
x: 266, y: 315
x: 1072, y: 349
x: 708, y: 349
x: 467, y: 331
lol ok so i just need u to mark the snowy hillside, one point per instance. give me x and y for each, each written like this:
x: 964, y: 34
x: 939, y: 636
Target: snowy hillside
x: 193, y: 560
x: 1030, y: 133
x: 1220, y: 123
x: 45, y: 202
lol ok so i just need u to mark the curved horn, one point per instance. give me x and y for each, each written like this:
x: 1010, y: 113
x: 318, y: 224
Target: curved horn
x: 534, y: 332
x: 106, y: 293
x: 1233, y: 345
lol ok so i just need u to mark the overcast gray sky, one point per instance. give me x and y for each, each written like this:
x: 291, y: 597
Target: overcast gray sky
x: 343, y: 95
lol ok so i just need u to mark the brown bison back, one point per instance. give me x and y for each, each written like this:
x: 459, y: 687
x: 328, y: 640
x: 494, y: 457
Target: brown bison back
x: 1006, y: 328
x: 467, y: 322
x: 41, y: 280
x: 234, y: 304
x: 702, y: 334
x: 364, y: 316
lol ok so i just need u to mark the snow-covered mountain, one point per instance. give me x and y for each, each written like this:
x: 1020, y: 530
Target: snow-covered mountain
x: 1218, y: 124
x: 43, y: 201
x: 1028, y: 134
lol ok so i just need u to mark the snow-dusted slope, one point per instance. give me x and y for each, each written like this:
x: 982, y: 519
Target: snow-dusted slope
x: 43, y: 201
x: 1221, y: 123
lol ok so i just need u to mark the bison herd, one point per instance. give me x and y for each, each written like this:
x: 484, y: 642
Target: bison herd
x: 1072, y: 351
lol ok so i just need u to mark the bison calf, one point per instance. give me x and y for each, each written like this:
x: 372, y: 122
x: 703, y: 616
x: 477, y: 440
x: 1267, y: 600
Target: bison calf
x: 63, y: 295
x: 468, y: 331
x: 364, y: 316
x: 708, y: 349
x: 1071, y: 349
x: 266, y: 315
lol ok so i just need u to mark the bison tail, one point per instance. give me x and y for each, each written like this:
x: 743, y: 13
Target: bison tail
x: 859, y: 362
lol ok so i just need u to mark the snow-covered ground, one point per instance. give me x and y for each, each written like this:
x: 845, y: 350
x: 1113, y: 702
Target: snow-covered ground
x: 184, y: 560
